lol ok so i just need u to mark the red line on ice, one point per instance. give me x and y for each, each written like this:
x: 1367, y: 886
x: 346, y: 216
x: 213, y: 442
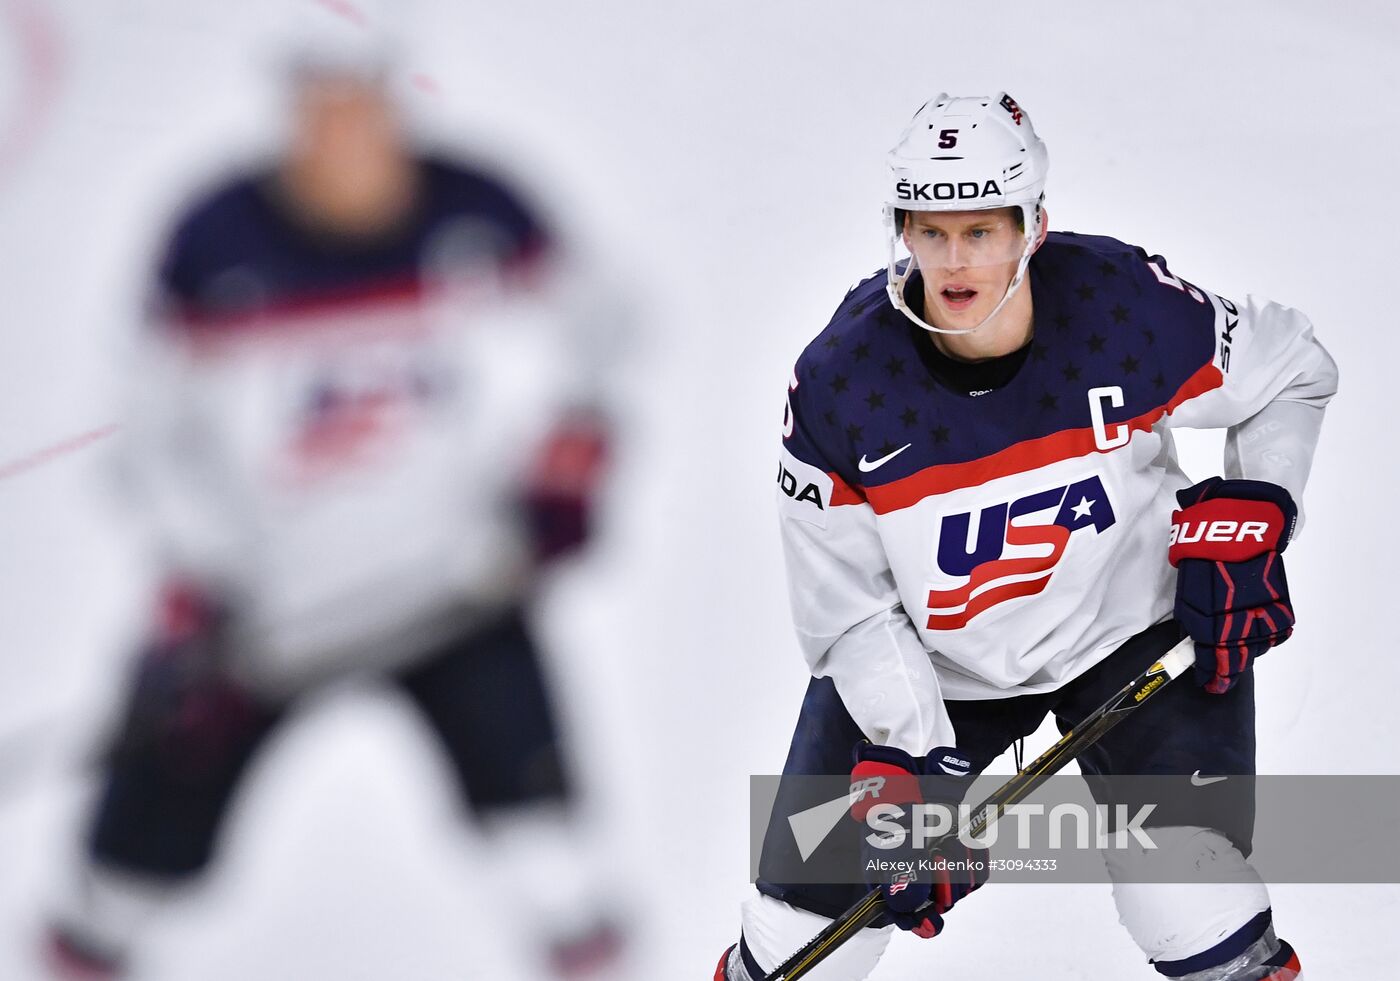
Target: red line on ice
x: 343, y: 8
x: 50, y: 453
x: 41, y: 53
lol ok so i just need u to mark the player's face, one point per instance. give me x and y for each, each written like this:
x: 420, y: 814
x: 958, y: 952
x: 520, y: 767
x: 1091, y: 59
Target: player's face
x: 348, y: 165
x: 967, y: 258
x: 344, y: 120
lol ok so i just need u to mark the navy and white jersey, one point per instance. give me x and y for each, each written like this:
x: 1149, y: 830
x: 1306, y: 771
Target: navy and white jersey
x: 243, y: 253
x: 333, y: 432
x: 947, y: 542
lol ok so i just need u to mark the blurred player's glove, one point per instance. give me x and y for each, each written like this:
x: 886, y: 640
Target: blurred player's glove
x: 562, y: 484
x: 885, y: 775
x: 1231, y: 594
x: 187, y: 706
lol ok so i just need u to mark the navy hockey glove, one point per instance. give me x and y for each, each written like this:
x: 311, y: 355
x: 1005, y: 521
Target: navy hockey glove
x: 1231, y: 593
x: 916, y: 896
x: 562, y: 484
x: 187, y: 708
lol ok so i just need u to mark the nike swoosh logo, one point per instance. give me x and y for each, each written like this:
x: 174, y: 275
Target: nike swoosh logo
x: 866, y: 466
x: 1199, y: 781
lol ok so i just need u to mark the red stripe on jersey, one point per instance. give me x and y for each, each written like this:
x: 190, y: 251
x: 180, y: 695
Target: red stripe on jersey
x: 844, y: 493
x: 1023, y: 457
x: 951, y: 599
x: 301, y: 309
x: 316, y: 310
x: 985, y: 601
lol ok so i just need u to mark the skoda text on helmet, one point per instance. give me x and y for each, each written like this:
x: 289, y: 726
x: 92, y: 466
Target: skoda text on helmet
x: 966, y: 154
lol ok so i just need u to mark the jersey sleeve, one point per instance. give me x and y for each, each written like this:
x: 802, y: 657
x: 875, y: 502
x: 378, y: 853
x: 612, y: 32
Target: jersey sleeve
x: 850, y: 623
x: 168, y: 471
x: 1274, y: 381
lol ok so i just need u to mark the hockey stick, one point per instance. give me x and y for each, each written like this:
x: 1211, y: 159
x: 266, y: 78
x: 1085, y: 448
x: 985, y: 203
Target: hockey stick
x: 1115, y: 710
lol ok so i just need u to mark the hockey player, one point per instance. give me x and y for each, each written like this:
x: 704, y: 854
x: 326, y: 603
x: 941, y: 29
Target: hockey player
x: 364, y: 427
x: 984, y: 487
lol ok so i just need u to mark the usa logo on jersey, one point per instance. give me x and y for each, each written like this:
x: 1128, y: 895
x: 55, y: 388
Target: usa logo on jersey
x: 1030, y: 524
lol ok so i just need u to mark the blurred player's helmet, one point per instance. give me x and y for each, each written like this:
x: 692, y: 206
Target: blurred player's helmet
x: 966, y: 154
x: 326, y: 40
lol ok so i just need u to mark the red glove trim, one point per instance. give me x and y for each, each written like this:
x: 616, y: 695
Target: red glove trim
x: 1225, y: 529
x: 943, y: 891
x: 927, y: 929
x: 874, y: 782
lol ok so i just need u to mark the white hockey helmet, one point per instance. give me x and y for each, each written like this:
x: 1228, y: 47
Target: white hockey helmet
x: 970, y: 153
x: 308, y: 41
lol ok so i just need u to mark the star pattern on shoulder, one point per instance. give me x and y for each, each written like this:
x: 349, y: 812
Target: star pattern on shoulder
x: 882, y: 394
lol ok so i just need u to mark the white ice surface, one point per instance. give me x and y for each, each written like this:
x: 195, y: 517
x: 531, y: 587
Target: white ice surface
x: 728, y: 155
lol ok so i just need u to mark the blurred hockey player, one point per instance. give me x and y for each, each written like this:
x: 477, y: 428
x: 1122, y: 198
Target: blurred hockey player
x: 369, y: 416
x: 984, y: 522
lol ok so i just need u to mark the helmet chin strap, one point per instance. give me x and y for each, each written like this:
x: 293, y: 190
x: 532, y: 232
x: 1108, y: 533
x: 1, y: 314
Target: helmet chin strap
x: 895, y: 279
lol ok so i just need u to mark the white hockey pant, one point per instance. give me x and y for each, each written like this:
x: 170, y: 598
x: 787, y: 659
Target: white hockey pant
x: 1168, y: 921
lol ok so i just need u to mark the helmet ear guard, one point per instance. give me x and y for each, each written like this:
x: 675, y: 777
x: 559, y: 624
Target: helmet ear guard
x: 965, y: 154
